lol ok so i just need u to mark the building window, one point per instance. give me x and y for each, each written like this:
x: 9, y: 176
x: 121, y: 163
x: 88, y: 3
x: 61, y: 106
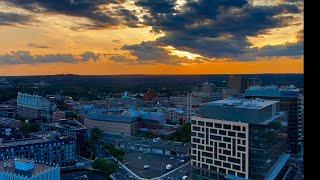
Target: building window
x: 242, y: 135
x: 209, y: 161
x: 222, y: 158
x: 243, y: 142
x: 227, y: 152
x: 213, y: 131
x: 217, y: 163
x: 236, y: 167
x: 222, y: 170
x: 209, y: 148
x: 237, y: 128
x: 241, y: 148
x: 209, y: 124
x: 205, y: 154
x: 217, y: 125
x: 196, y: 140
x: 234, y: 160
x: 196, y: 128
x: 218, y: 138
x: 226, y: 139
x: 227, y: 126
x: 227, y: 165
x: 230, y: 133
x: 201, y: 135
x: 222, y: 145
x: 213, y: 168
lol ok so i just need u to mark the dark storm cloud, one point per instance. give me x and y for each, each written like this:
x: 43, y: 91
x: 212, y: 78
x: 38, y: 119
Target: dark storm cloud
x: 213, y: 28
x: 156, y: 6
x: 25, y: 57
x: 151, y: 52
x: 289, y: 49
x: 14, y: 19
x: 81, y: 8
x: 147, y: 51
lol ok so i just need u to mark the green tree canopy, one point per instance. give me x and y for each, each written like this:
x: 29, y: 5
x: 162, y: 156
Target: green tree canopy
x: 105, y: 167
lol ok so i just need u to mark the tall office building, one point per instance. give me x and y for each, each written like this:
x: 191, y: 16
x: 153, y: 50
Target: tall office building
x: 301, y: 120
x: 290, y: 101
x: 239, y: 138
x: 238, y: 83
x: 34, y: 106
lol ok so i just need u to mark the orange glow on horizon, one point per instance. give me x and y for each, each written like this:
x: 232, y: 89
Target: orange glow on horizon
x: 283, y: 65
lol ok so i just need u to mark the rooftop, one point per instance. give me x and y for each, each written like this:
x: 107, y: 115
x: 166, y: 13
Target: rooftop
x: 67, y: 124
x: 253, y: 111
x: 243, y: 103
x: 8, y: 121
x: 36, y: 138
x: 35, y: 101
x: 111, y: 118
x: 13, y: 166
x: 272, y: 91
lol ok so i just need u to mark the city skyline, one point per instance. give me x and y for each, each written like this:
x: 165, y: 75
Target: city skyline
x: 151, y: 37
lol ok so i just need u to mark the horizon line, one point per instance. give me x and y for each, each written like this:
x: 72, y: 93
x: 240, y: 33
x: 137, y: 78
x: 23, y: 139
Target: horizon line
x: 70, y: 74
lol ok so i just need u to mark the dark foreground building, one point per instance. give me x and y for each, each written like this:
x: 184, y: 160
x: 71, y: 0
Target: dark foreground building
x: 48, y: 147
x: 290, y: 101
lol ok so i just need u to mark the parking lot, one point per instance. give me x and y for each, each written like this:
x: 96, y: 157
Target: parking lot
x: 157, y: 163
x: 178, y: 174
x: 81, y: 175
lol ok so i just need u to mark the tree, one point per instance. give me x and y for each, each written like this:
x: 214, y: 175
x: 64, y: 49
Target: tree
x: 183, y: 133
x: 105, y: 167
x: 94, y: 141
x: 28, y: 128
x: 96, y: 135
x: 115, y: 152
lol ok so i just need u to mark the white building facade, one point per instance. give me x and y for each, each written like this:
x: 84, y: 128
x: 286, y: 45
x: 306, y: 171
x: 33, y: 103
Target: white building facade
x: 220, y: 146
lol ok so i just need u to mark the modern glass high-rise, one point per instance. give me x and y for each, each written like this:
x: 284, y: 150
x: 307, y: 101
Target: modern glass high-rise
x: 291, y: 102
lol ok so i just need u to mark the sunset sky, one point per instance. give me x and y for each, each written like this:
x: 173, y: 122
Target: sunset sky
x: 101, y: 37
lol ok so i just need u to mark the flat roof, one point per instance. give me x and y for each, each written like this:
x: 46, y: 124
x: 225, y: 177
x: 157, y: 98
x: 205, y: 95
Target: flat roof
x: 36, y: 139
x: 272, y: 118
x: 66, y: 124
x: 243, y: 103
x: 111, y: 118
x: 272, y: 91
x: 8, y: 167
